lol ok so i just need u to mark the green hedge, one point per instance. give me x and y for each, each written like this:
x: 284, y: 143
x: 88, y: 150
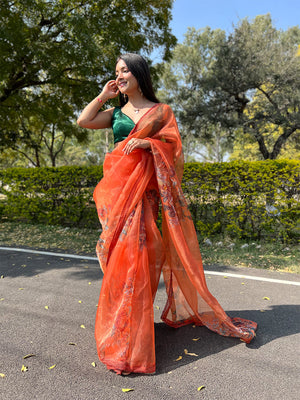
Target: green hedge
x: 246, y: 200
x: 55, y: 196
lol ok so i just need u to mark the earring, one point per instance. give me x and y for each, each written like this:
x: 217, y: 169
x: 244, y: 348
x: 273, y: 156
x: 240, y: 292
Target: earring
x: 140, y: 90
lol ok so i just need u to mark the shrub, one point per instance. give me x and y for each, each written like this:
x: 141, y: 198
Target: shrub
x: 245, y: 200
x: 50, y: 195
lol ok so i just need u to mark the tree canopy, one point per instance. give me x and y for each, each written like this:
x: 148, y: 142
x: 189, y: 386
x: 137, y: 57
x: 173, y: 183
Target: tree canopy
x: 55, y: 56
x: 247, y: 82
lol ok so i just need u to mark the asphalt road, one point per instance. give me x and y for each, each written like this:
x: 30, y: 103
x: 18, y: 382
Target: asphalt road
x: 266, y: 369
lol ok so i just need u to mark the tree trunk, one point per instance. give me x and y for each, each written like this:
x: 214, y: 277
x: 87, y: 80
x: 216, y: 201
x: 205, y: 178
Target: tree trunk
x: 262, y: 146
x: 281, y: 141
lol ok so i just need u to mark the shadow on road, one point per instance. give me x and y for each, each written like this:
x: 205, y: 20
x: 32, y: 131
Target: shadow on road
x: 274, y: 323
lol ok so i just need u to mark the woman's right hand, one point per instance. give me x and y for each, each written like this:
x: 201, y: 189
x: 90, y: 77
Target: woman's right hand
x: 91, y: 117
x: 110, y: 90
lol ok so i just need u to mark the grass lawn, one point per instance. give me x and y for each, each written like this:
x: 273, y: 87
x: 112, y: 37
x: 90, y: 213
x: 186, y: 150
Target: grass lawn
x: 272, y: 256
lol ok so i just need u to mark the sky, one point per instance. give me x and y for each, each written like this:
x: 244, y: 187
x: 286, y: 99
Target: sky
x: 224, y: 13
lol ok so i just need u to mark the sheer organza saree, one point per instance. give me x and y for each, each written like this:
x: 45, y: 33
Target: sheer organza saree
x: 132, y: 252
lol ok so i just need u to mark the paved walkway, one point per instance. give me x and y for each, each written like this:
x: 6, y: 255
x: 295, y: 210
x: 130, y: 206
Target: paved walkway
x: 48, y: 305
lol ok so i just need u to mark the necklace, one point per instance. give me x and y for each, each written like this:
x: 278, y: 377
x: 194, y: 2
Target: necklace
x: 135, y: 110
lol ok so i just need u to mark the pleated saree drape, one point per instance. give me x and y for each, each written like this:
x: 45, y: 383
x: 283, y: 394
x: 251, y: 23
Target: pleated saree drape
x: 132, y: 252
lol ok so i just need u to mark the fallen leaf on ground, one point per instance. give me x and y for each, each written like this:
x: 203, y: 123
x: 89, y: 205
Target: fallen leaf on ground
x: 79, y: 301
x: 127, y: 390
x: 243, y: 283
x: 28, y: 356
x: 82, y: 326
x: 266, y: 298
x: 24, y: 369
x: 2, y: 375
x: 196, y: 339
x: 179, y: 358
x: 200, y: 388
x: 52, y: 366
x: 20, y: 288
x: 72, y: 344
x: 192, y: 354
x: 90, y: 283
x: 2, y: 298
x: 2, y: 276
x: 225, y: 277
x: 93, y: 364
x: 157, y: 307
x: 46, y: 307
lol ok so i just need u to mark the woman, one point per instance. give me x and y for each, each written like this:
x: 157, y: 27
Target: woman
x: 146, y: 167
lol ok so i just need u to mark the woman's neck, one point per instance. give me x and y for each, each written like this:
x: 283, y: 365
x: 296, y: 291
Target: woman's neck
x: 137, y: 101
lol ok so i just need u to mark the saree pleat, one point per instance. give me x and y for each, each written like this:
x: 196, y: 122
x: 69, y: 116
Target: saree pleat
x: 132, y: 252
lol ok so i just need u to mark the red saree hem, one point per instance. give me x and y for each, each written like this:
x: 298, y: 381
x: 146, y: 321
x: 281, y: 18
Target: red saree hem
x: 133, y: 253
x: 119, y: 368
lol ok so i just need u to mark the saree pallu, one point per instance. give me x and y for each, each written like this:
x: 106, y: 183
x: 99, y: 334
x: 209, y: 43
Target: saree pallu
x: 132, y: 252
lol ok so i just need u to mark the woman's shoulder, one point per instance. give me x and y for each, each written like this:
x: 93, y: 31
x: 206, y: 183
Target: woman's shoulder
x: 165, y: 106
x: 166, y: 109
x: 114, y: 111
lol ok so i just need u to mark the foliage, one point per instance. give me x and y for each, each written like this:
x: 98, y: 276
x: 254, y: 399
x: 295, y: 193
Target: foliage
x: 90, y: 152
x: 245, y: 200
x: 266, y: 96
x: 180, y: 87
x: 50, y: 195
x: 248, y: 82
x: 245, y: 146
x: 55, y: 55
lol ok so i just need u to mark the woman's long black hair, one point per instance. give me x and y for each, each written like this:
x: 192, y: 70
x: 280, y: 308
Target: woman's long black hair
x: 138, y: 66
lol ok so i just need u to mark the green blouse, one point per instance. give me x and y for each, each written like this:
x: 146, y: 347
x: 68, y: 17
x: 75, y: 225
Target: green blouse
x: 122, y: 125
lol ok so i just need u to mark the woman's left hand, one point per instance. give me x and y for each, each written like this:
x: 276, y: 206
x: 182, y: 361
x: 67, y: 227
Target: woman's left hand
x: 134, y: 143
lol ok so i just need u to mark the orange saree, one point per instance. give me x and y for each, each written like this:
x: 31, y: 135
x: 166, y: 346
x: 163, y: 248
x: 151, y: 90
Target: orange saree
x: 132, y: 252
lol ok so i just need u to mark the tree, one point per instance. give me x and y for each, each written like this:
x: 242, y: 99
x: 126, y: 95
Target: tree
x: 56, y: 54
x: 41, y: 131
x: 256, y: 83
x: 91, y: 152
x: 181, y: 87
x: 246, y: 147
x: 245, y: 82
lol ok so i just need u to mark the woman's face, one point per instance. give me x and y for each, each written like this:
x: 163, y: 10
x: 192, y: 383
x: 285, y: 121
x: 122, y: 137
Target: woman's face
x: 126, y: 81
